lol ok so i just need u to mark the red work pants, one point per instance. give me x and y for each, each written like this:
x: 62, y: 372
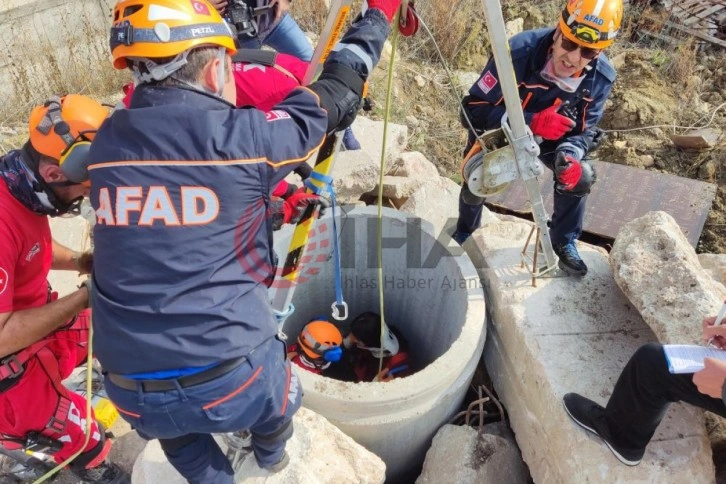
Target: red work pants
x: 39, y: 402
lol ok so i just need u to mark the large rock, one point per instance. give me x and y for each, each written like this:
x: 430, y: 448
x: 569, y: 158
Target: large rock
x: 571, y: 335
x: 461, y: 455
x: 354, y: 173
x: 658, y: 270
x: 437, y: 201
x: 414, y: 164
x: 398, y: 187
x: 357, y: 172
x: 319, y: 453
x: 714, y: 265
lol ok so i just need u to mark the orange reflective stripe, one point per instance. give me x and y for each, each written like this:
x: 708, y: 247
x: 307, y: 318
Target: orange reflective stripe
x: 287, y: 391
x: 526, y: 100
x: 238, y: 390
x: 126, y: 412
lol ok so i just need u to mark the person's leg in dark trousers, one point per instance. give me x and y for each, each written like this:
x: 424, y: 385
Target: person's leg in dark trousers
x: 261, y: 395
x: 470, y: 210
x: 567, y: 217
x: 270, y: 435
x: 568, y: 211
x: 198, y: 458
x: 470, y: 206
x: 643, y: 393
x: 638, y: 403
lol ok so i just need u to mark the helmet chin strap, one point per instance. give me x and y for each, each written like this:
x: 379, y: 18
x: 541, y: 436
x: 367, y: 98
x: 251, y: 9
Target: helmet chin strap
x: 159, y: 72
x: 55, y: 205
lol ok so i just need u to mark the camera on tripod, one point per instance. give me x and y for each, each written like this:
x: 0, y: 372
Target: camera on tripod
x: 243, y: 17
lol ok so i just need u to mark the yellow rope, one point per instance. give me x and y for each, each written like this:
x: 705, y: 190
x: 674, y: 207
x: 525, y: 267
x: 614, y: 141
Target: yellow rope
x: 386, y: 115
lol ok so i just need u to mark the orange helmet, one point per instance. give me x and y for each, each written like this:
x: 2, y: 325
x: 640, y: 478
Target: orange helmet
x: 592, y: 23
x: 153, y: 29
x: 63, y: 128
x: 321, y: 339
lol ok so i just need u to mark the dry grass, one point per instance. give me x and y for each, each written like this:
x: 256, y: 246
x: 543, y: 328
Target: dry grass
x: 69, y: 55
x: 309, y: 14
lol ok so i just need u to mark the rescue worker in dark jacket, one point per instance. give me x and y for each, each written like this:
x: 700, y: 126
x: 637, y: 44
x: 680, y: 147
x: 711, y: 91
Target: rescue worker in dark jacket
x: 181, y: 185
x: 555, y: 68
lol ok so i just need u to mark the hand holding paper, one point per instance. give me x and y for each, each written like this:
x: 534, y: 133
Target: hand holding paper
x: 713, y: 333
x: 709, y: 381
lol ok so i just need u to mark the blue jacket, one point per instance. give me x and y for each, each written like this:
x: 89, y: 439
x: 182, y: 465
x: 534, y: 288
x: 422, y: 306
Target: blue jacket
x: 181, y: 186
x: 529, y: 51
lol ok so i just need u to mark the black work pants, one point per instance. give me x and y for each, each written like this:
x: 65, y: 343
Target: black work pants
x: 643, y: 393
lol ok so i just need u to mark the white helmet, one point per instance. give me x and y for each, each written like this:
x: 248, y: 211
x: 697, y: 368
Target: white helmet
x: 366, y: 332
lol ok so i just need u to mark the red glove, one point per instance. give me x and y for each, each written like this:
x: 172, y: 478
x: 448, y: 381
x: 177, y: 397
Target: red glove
x: 388, y: 7
x: 550, y: 124
x: 296, y: 204
x: 128, y: 92
x: 567, y: 170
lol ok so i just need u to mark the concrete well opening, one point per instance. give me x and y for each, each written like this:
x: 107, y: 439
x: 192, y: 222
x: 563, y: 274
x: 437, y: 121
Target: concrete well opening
x: 431, y: 294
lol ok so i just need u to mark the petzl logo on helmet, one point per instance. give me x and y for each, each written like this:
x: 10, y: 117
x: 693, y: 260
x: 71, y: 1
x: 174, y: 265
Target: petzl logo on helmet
x: 255, y: 261
x: 200, y: 7
x: 199, y: 31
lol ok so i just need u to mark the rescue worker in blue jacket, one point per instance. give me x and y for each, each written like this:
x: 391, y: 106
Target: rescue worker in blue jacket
x: 181, y: 185
x: 552, y: 67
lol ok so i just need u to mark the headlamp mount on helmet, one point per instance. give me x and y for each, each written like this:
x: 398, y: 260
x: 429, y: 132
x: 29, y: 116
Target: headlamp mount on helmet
x: 242, y: 16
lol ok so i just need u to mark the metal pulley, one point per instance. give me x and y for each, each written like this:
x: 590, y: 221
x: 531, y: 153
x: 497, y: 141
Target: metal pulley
x: 489, y: 169
x: 408, y: 20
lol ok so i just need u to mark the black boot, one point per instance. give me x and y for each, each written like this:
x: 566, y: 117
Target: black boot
x: 106, y: 473
x: 591, y: 417
x: 570, y: 260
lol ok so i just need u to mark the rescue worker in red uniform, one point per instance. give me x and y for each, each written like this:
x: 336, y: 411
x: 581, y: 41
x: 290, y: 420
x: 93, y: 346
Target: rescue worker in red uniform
x: 318, y: 346
x: 43, y: 337
x: 365, y: 347
x: 180, y: 184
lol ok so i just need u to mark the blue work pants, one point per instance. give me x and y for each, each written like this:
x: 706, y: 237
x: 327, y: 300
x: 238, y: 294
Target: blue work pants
x: 261, y: 395
x: 286, y: 37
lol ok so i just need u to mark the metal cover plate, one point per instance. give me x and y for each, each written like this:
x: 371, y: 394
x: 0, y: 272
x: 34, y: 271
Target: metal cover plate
x: 623, y: 193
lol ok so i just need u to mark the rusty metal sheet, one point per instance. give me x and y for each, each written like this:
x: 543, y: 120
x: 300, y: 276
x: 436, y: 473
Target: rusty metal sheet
x: 623, y: 193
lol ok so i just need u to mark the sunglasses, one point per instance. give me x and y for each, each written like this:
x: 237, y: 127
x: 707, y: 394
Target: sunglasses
x: 585, y: 52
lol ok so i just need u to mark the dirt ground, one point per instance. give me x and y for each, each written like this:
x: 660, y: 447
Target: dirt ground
x: 653, y: 91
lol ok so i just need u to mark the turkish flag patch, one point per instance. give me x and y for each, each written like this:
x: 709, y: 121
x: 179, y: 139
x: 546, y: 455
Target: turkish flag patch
x: 3, y: 280
x: 487, y: 82
x: 200, y: 7
x: 275, y: 115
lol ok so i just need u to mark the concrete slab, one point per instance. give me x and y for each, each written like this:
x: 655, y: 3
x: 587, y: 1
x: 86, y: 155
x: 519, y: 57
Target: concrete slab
x: 571, y: 335
x: 319, y: 453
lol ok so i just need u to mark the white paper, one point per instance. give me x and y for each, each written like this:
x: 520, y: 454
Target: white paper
x: 689, y: 358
